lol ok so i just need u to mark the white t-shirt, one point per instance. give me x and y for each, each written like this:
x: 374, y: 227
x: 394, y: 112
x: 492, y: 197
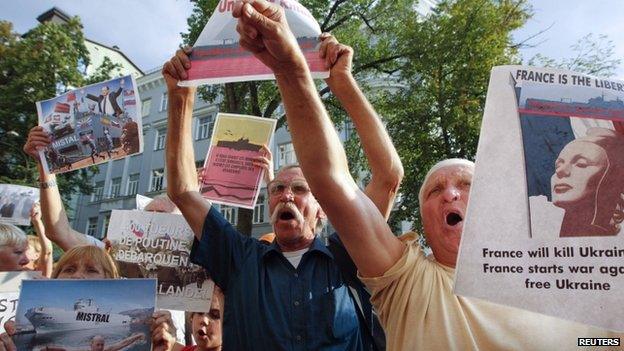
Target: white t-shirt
x: 294, y: 257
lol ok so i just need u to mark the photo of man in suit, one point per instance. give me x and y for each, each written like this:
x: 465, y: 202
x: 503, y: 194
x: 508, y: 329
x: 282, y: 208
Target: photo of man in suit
x: 107, y: 101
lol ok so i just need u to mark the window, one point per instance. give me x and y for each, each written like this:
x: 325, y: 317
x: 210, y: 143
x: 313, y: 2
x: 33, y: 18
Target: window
x: 98, y: 191
x: 115, y: 189
x: 133, y: 184
x: 161, y: 135
x: 229, y: 213
x: 156, y: 184
x: 105, y: 223
x: 145, y: 107
x: 286, y: 155
x: 204, y: 128
x: 258, y: 214
x: 163, y: 102
x: 92, y: 226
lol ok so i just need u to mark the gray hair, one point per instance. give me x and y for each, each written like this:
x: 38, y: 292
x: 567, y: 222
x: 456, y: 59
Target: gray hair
x: 11, y: 235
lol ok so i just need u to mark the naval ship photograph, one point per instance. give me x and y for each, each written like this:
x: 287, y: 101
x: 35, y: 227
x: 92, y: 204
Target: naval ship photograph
x: 69, y: 314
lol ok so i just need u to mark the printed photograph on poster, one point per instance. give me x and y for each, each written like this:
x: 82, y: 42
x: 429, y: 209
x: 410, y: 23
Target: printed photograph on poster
x: 10, y: 283
x: 573, y: 139
x: 75, y: 314
x: 229, y: 176
x: 16, y: 201
x: 546, y: 205
x: 91, y: 125
x: 217, y: 56
x: 158, y: 245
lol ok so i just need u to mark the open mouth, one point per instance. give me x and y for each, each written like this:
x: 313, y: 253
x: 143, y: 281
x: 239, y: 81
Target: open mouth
x: 201, y: 333
x: 453, y: 219
x: 286, y: 215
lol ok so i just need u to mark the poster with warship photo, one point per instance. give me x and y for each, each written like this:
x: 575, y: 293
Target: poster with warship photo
x: 16, y: 202
x: 546, y: 209
x: 75, y: 314
x: 91, y: 125
x: 10, y: 283
x: 218, y: 58
x: 158, y: 245
x: 229, y: 177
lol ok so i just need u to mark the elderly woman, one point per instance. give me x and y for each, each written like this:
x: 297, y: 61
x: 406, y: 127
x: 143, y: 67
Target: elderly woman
x: 13, y: 248
x: 589, y: 184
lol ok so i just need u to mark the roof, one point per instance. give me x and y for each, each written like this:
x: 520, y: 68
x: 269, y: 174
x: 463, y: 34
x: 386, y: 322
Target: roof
x: 55, y: 11
x: 115, y: 48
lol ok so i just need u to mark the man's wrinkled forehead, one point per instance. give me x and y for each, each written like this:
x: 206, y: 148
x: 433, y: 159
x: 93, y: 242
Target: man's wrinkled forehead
x: 289, y: 174
x: 450, y: 173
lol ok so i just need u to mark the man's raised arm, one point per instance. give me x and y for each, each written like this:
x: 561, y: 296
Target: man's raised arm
x: 368, y: 239
x: 385, y: 164
x: 182, y: 185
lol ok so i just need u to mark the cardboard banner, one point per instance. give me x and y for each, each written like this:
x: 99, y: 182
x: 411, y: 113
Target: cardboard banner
x: 16, y: 201
x: 10, y: 283
x: 218, y: 58
x: 91, y: 125
x: 72, y: 314
x: 229, y: 176
x: 158, y: 245
x: 544, y: 221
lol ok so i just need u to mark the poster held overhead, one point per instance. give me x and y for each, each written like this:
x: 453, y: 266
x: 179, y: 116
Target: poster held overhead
x: 91, y: 125
x: 552, y: 145
x: 217, y: 56
x: 229, y: 176
x: 16, y: 202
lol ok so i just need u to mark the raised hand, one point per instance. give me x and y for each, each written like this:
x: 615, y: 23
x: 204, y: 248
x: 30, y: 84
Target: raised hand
x: 175, y: 69
x: 37, y: 139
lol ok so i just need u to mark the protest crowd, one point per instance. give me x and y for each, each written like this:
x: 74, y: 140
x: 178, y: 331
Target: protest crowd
x: 363, y: 289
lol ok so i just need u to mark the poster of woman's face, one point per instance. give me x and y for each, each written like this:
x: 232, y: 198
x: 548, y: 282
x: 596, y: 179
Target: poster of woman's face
x: 16, y: 202
x: 574, y: 157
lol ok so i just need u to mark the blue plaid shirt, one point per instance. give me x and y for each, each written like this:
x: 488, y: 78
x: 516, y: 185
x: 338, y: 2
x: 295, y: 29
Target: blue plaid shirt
x: 270, y: 305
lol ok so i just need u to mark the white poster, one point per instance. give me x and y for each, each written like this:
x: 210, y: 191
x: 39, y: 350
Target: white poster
x: 217, y: 56
x: 158, y: 245
x: 543, y: 229
x: 10, y: 283
x: 16, y: 201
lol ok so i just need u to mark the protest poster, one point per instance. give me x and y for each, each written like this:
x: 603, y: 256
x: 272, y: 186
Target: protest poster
x: 229, y: 176
x: 16, y: 202
x: 10, y: 283
x: 70, y: 314
x: 544, y: 218
x: 158, y: 245
x: 218, y: 58
x: 91, y: 125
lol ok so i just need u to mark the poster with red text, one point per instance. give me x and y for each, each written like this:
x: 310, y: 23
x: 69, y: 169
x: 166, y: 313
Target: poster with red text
x: 229, y: 176
x: 217, y: 56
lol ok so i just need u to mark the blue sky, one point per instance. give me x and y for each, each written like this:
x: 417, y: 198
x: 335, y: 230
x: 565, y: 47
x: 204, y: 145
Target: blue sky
x: 149, y: 31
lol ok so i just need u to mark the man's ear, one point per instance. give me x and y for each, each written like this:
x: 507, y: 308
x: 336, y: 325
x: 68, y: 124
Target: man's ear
x: 321, y: 214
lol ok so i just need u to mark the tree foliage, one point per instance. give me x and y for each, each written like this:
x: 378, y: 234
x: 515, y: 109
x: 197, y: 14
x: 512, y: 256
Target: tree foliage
x: 435, y: 108
x: 591, y: 55
x: 36, y: 66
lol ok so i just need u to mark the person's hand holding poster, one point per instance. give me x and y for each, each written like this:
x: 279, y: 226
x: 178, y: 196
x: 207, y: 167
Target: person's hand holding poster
x: 229, y: 175
x: 217, y: 56
x: 552, y: 147
x: 91, y: 125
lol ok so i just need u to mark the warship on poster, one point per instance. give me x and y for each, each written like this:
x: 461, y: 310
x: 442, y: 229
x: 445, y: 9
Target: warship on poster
x: 16, y: 202
x: 217, y: 56
x: 158, y: 245
x: 71, y: 314
x: 229, y: 176
x: 91, y: 125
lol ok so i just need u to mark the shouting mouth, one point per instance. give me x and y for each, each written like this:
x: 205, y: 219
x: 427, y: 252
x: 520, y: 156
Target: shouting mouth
x: 454, y: 219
